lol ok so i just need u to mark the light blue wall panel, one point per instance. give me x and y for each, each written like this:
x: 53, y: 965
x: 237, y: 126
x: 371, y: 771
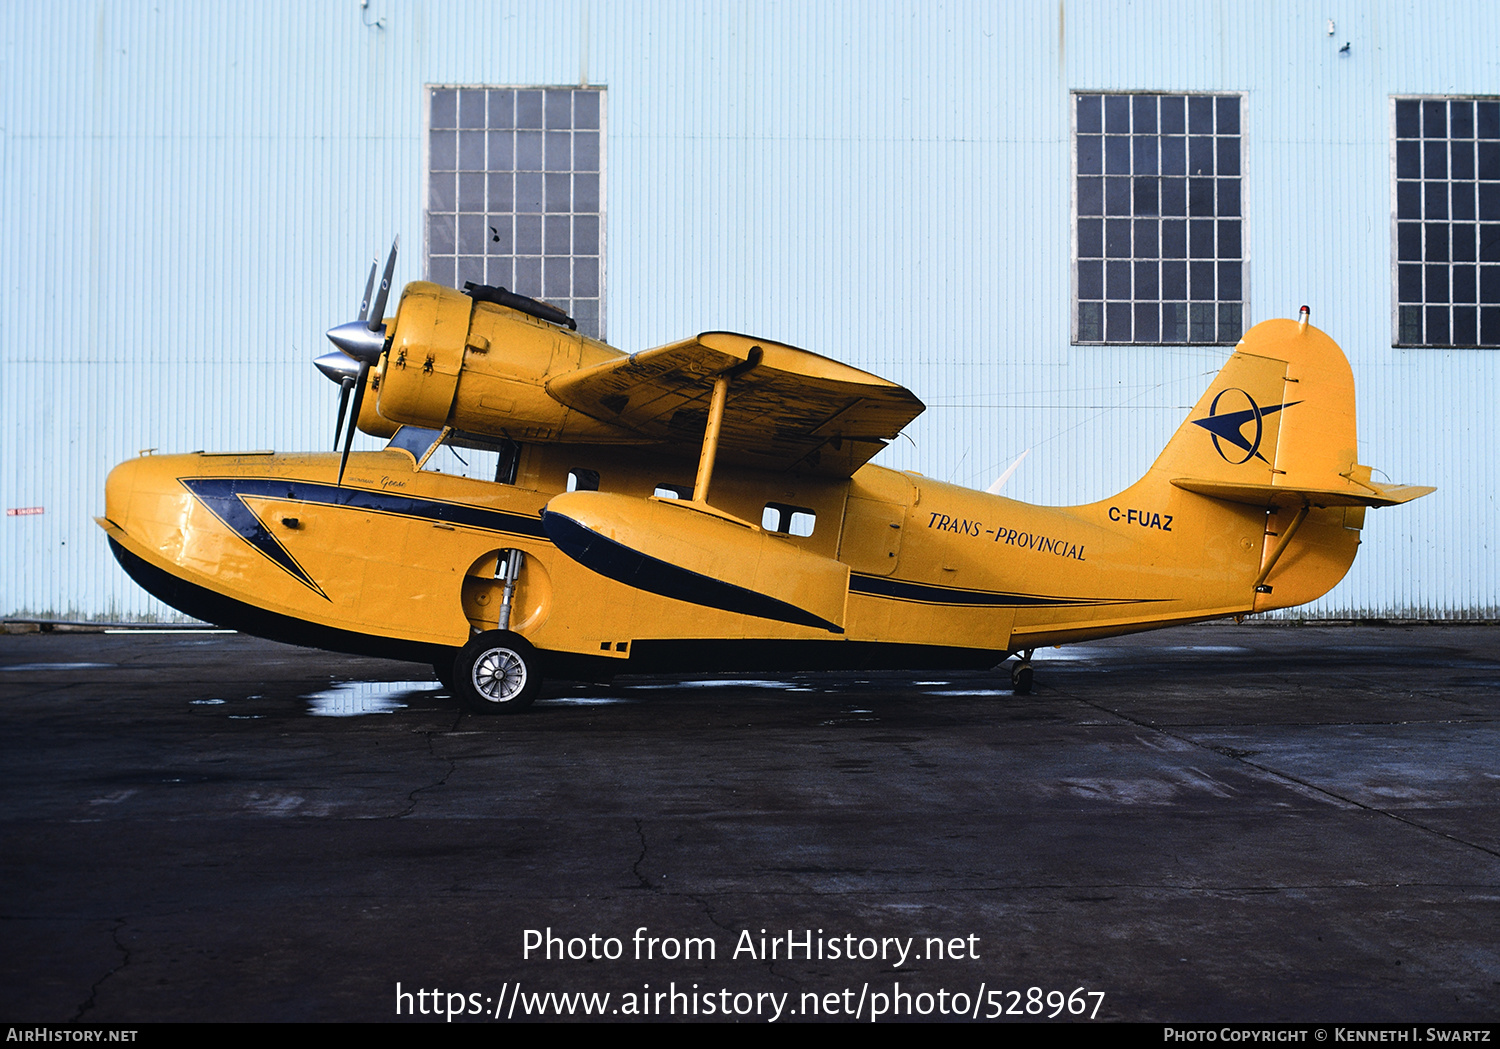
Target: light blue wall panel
x: 190, y: 194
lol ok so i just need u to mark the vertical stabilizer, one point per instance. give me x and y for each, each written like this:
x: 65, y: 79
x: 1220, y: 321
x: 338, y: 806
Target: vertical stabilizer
x: 1279, y: 414
x: 1274, y: 435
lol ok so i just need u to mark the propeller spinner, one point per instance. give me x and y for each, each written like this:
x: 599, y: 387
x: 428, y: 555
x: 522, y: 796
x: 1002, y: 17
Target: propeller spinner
x: 360, y: 344
x: 340, y: 369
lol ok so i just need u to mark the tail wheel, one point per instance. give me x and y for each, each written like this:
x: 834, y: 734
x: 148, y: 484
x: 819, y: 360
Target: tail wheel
x: 1020, y: 680
x: 1020, y: 674
x: 496, y: 673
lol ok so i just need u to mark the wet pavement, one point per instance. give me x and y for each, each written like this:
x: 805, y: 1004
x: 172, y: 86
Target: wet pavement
x: 1214, y: 823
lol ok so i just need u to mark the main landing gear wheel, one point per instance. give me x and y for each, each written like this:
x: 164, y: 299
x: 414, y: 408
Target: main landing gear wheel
x: 496, y: 673
x: 1020, y: 675
x: 442, y: 669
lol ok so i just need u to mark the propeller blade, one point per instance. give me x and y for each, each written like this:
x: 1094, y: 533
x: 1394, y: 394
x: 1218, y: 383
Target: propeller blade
x: 338, y: 427
x: 364, y: 303
x: 359, y: 398
x: 362, y: 341
x: 377, y: 312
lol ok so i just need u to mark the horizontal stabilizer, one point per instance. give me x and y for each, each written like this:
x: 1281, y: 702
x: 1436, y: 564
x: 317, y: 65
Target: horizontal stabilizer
x: 1368, y: 493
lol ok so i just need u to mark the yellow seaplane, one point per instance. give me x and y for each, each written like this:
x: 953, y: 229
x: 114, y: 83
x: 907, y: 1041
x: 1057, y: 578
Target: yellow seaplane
x: 710, y: 504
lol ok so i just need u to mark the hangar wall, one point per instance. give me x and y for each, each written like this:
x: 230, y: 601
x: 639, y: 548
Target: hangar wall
x: 190, y: 194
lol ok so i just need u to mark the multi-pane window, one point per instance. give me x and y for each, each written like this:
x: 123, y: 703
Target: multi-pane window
x: 1159, y: 239
x: 1447, y: 222
x: 515, y: 193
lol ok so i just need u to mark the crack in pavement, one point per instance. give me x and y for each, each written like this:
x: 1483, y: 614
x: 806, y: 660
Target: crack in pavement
x: 439, y: 782
x: 640, y: 832
x: 89, y: 1002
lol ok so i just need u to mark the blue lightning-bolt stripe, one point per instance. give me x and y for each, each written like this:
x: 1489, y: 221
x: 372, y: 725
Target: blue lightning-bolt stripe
x: 225, y: 498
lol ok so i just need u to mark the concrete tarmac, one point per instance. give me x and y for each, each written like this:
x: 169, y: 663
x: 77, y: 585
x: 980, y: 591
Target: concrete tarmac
x: 1214, y: 823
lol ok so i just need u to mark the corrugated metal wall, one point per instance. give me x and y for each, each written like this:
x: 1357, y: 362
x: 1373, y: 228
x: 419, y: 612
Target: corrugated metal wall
x: 190, y: 194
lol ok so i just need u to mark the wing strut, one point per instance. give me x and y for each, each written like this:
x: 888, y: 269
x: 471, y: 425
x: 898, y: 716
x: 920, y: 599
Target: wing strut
x: 1281, y: 545
x: 711, y: 439
x: 716, y: 423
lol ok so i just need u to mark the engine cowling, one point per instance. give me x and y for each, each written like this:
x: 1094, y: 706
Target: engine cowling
x: 482, y: 368
x: 419, y: 374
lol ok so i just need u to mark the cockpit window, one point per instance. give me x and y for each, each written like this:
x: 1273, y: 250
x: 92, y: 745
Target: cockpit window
x: 478, y: 463
x: 459, y: 454
x: 414, y: 439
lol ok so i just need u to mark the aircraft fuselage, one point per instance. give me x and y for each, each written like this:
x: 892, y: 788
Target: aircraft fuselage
x: 909, y: 571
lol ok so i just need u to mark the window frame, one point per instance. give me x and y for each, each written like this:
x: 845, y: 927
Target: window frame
x: 788, y: 525
x: 1422, y: 263
x: 504, y: 273
x: 1076, y: 299
x: 582, y: 479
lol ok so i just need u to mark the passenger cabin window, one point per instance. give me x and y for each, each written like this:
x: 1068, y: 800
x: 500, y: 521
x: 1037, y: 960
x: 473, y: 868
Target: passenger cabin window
x: 788, y: 520
x: 580, y: 480
x: 673, y: 491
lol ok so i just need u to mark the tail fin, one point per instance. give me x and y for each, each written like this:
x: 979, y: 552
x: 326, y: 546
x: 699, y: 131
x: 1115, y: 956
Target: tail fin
x: 1275, y: 430
x: 1280, y: 414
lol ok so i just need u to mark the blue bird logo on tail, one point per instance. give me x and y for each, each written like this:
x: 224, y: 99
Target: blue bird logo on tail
x: 1228, y: 427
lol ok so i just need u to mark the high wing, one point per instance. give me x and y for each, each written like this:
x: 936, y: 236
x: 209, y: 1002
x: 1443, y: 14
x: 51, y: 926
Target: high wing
x: 786, y: 407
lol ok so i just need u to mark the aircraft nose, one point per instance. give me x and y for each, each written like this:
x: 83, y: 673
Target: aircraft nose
x: 337, y: 366
x: 358, y: 341
x: 119, y: 486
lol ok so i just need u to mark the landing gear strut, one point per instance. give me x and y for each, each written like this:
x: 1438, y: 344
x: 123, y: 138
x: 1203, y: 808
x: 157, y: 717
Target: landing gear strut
x: 1020, y: 674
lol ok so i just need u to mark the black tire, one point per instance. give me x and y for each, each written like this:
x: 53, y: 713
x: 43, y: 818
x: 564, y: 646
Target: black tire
x: 1020, y: 679
x: 496, y: 673
x: 443, y: 670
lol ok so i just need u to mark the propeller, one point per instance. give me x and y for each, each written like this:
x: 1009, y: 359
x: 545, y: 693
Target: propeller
x: 364, y: 303
x: 360, y: 343
x: 345, y: 372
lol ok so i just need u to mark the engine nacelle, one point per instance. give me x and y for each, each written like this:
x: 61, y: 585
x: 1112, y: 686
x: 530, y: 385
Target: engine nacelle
x: 483, y: 368
x: 419, y: 374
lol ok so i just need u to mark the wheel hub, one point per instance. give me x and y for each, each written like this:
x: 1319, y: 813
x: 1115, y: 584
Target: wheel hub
x: 499, y: 675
